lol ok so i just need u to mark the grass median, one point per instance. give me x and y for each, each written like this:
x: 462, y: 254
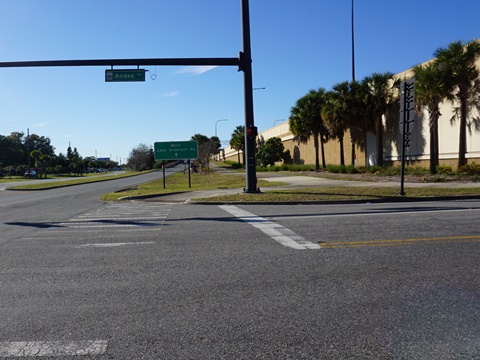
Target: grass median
x: 214, y: 181
x: 337, y: 193
x: 179, y: 183
x: 80, y: 180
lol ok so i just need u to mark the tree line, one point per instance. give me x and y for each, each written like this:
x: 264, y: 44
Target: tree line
x: 20, y: 152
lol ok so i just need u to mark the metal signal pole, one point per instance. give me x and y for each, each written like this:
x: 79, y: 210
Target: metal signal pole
x: 246, y: 67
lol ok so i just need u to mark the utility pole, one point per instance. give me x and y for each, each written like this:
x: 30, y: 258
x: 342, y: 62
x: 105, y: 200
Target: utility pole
x: 353, y: 80
x: 28, y: 147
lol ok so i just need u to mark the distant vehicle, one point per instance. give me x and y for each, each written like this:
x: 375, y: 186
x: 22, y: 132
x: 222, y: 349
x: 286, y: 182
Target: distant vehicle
x: 30, y: 173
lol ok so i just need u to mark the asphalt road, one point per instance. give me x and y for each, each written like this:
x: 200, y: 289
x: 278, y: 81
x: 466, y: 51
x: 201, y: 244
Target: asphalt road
x: 139, y: 280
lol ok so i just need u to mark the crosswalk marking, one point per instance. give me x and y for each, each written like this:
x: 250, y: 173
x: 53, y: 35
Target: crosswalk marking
x: 281, y: 234
x: 125, y: 217
x: 52, y: 348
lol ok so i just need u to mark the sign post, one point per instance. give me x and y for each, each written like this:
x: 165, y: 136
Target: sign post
x: 176, y: 150
x: 407, y: 117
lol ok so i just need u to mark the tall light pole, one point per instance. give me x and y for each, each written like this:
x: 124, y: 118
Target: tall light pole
x: 216, y: 125
x: 353, y: 80
x: 353, y: 46
x: 277, y: 121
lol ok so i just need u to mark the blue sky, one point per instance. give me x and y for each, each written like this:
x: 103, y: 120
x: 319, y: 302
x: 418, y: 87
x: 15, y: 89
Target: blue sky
x: 296, y: 46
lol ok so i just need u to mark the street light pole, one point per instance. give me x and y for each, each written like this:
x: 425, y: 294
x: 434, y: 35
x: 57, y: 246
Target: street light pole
x: 353, y: 47
x: 216, y: 125
x: 353, y: 80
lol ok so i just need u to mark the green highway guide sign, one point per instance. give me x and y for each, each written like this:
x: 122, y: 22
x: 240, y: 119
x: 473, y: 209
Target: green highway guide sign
x: 176, y: 150
x: 124, y: 75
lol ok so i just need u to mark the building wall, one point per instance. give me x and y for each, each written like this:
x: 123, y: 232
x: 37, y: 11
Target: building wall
x: 304, y: 153
x: 448, y: 133
x: 417, y: 154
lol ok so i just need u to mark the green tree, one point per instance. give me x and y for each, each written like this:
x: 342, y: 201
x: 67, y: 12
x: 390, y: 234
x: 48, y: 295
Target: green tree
x: 41, y: 143
x: 216, y: 144
x: 237, y: 141
x: 306, y: 121
x: 206, y: 148
x: 270, y: 152
x: 380, y: 96
x: 140, y: 158
x: 16, y: 150
x: 35, y: 155
x: 340, y: 112
x: 459, y: 62
x: 431, y: 89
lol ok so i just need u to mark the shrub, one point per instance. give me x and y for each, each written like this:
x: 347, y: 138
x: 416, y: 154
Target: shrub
x: 335, y: 169
x: 416, y: 170
x: 444, y: 169
x: 470, y: 169
x: 350, y: 169
x: 374, y: 169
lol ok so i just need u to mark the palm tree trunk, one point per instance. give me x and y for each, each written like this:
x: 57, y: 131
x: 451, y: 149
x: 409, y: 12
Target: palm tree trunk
x: 434, y: 144
x: 317, y: 160
x: 462, y: 143
x: 342, y: 152
x: 323, y: 153
x: 379, y: 130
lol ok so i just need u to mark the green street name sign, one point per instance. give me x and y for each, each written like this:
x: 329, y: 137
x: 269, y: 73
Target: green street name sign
x: 176, y: 150
x: 125, y: 75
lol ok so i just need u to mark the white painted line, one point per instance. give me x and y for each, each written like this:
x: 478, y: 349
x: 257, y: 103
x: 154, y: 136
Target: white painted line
x: 117, y: 218
x: 277, y: 232
x: 116, y: 244
x: 52, y: 348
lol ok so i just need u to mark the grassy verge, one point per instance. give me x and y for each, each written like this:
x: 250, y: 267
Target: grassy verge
x: 340, y: 193
x: 179, y: 183
x: 80, y: 180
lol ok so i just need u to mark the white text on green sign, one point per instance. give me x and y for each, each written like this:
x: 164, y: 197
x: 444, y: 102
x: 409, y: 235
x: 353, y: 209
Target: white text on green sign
x: 124, y: 75
x: 176, y: 150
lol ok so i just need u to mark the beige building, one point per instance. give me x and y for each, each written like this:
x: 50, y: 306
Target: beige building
x: 417, y: 154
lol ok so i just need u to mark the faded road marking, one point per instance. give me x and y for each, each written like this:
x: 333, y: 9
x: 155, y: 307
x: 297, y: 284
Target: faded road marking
x: 115, y: 244
x: 52, y: 348
x: 382, y: 243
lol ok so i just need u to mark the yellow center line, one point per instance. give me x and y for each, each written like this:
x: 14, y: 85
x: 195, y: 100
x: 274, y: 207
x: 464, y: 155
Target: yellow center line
x: 401, y: 242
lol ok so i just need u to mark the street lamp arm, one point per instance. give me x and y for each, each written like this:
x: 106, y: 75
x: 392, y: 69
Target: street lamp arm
x: 216, y: 125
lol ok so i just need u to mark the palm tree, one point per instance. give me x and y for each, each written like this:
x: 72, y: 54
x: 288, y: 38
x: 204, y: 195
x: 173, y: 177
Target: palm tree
x: 380, y: 96
x: 306, y: 121
x: 459, y: 61
x: 342, y: 111
x: 431, y: 90
x: 237, y: 141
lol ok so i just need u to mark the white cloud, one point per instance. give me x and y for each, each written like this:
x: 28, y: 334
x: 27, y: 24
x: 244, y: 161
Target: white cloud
x: 168, y: 94
x: 41, y: 124
x: 195, y: 70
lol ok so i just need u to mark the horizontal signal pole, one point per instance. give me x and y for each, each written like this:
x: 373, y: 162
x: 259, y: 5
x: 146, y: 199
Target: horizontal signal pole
x: 126, y: 62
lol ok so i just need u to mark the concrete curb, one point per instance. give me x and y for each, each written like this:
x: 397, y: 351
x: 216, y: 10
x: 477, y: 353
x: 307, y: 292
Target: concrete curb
x: 333, y: 202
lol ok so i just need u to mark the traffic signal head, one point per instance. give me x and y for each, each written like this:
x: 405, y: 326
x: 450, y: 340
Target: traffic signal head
x: 252, y: 131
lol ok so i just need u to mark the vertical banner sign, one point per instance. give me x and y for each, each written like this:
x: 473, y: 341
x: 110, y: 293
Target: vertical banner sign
x: 407, y: 117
